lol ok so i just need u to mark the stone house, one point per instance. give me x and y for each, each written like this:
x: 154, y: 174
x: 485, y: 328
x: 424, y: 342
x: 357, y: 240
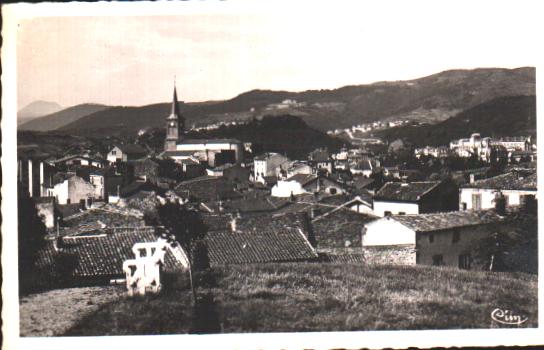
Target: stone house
x: 398, y: 198
x: 71, y: 189
x: 481, y: 194
x: 440, y: 239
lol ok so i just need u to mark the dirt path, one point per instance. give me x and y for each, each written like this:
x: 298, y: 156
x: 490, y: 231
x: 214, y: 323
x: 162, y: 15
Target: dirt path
x: 51, y: 313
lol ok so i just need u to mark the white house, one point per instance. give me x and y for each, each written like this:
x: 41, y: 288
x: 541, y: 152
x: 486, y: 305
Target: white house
x: 481, y: 194
x: 364, y: 168
x: 430, y: 239
x: 399, y: 198
x: 125, y: 153
x: 298, y: 168
x: 268, y: 164
x: 286, y: 188
x: 73, y: 189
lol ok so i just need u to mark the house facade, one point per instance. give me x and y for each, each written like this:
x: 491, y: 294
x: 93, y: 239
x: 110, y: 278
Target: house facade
x: 401, y: 198
x: 72, y: 190
x: 439, y: 239
x: 125, y: 153
x: 481, y: 194
x: 320, y: 161
x: 268, y: 164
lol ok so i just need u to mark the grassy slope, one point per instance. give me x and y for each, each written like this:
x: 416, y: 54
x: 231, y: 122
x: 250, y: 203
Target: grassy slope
x: 328, y: 297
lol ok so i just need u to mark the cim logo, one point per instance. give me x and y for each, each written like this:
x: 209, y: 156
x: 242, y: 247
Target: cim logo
x: 507, y: 317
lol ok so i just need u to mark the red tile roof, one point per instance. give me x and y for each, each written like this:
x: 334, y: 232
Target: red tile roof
x: 411, y: 191
x: 103, y: 255
x: 208, y: 188
x: 515, y: 180
x: 447, y: 220
x: 262, y: 246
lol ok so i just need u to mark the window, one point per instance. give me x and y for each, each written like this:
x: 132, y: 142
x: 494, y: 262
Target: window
x: 456, y: 236
x: 465, y: 261
x: 114, y: 152
x: 506, y: 200
x: 438, y: 260
x: 402, y: 213
x: 431, y: 238
x: 387, y: 213
x: 332, y: 190
x: 464, y: 206
x: 476, y: 201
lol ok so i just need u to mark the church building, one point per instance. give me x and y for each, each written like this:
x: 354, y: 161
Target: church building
x: 214, y: 152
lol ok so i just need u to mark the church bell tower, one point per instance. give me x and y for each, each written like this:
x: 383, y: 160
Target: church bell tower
x: 175, y: 124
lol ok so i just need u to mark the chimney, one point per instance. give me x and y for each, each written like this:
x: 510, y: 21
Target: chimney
x: 471, y: 178
x: 233, y: 224
x: 500, y: 204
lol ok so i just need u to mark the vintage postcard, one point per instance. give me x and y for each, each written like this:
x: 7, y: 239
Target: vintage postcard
x: 271, y: 175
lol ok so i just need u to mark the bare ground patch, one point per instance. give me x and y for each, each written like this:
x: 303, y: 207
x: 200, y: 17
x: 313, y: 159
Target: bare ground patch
x: 51, y: 313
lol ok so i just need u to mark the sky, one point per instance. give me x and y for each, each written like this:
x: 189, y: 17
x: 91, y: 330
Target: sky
x: 132, y: 57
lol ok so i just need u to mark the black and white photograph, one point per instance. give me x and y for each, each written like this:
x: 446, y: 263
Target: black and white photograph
x: 270, y: 175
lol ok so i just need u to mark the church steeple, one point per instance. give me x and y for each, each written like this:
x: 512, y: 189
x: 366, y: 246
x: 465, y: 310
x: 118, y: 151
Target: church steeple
x: 174, y: 124
x: 175, y: 105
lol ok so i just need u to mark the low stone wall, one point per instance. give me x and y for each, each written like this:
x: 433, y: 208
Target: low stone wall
x: 390, y: 255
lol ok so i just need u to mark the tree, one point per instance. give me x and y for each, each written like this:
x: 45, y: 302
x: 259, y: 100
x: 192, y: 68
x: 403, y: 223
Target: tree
x: 31, y: 236
x: 186, y: 227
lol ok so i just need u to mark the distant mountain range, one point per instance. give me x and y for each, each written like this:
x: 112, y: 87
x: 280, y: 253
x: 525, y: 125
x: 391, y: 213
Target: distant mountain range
x: 61, y: 118
x: 503, y: 116
x: 430, y: 99
x: 35, y: 110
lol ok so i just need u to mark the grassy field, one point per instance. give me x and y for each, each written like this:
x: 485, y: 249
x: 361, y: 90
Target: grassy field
x: 323, y: 297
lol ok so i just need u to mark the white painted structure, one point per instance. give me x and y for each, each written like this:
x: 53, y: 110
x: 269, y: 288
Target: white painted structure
x: 359, y: 205
x: 298, y: 168
x: 387, y: 232
x: 98, y: 181
x: 481, y: 198
x: 72, y: 190
x: 268, y: 164
x: 285, y: 189
x: 208, y: 149
x: 143, y: 273
x: 394, y: 208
